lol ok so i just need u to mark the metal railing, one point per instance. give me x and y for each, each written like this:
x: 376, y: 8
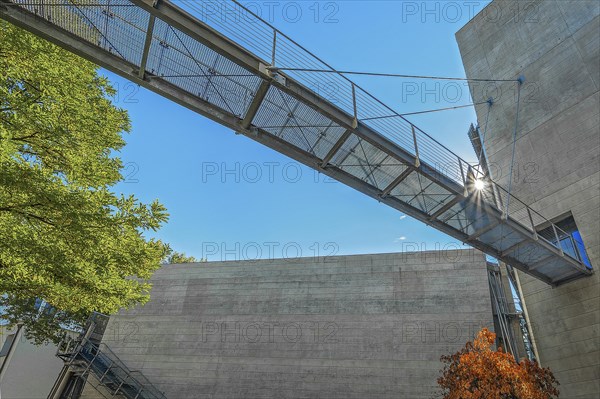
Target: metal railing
x: 86, y: 355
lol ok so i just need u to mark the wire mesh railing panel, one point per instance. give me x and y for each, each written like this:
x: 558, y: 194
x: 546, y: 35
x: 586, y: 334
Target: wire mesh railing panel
x: 235, y: 22
x: 122, y: 28
x: 383, y: 168
x: 433, y: 196
x: 460, y: 222
x: 347, y: 148
x: 330, y: 86
x: 440, y: 158
x: 469, y: 218
x: 385, y: 121
x: 66, y: 15
x: 410, y: 190
x: 329, y: 136
x: 478, y: 218
x: 117, y: 26
x: 391, y: 168
x: 291, y: 120
x: 188, y: 64
x: 363, y: 162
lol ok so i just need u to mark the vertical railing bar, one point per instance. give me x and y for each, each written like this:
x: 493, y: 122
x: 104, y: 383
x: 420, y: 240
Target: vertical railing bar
x: 106, y: 42
x: 557, y: 239
x: 139, y: 392
x: 274, y: 49
x: 464, y: 178
x: 417, y: 158
x: 107, y: 370
x: 535, y: 235
x: 572, y: 241
x: 91, y: 361
x: 355, y: 120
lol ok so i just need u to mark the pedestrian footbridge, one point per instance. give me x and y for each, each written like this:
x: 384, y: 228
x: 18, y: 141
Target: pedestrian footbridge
x: 220, y: 60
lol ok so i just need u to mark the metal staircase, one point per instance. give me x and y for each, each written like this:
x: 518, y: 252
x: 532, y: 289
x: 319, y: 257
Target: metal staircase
x: 510, y: 322
x: 220, y: 60
x: 87, y: 361
x: 503, y: 316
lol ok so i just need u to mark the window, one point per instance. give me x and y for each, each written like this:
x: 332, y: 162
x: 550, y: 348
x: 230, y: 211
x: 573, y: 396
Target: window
x: 569, y: 239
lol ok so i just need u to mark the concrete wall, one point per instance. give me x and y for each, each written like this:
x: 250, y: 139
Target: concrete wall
x: 31, y: 371
x: 365, y: 326
x: 555, y: 45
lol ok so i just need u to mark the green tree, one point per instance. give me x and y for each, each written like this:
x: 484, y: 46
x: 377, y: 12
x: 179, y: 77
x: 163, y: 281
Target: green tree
x: 178, y: 258
x: 65, y: 236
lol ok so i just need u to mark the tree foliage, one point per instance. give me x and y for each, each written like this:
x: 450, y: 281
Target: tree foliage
x: 478, y: 372
x: 64, y: 235
x: 178, y: 257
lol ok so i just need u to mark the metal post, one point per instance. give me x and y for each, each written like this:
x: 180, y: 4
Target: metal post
x: 273, y: 51
x: 482, y: 153
x: 107, y: 370
x: 147, y: 44
x: 417, y: 159
x: 497, y: 195
x: 464, y: 179
x: 355, y: 120
x: 557, y: 239
x: 535, y: 235
x: 91, y: 361
x: 118, y: 388
x: 139, y: 393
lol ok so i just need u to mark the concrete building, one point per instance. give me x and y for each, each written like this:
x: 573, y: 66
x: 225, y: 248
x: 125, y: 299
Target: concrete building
x: 28, y: 371
x: 555, y: 45
x: 363, y: 326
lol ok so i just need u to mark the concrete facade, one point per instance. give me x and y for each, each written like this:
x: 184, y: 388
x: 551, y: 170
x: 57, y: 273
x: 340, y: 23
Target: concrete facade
x: 31, y: 371
x: 363, y: 326
x: 555, y: 45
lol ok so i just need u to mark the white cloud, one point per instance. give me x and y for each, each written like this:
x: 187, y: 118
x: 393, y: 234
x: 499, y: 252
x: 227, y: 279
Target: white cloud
x: 402, y: 217
x: 401, y: 238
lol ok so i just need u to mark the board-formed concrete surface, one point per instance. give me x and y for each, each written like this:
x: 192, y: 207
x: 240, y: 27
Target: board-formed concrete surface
x: 362, y: 326
x: 556, y: 46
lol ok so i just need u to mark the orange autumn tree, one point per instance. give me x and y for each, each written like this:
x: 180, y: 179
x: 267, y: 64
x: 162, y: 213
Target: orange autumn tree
x: 478, y: 372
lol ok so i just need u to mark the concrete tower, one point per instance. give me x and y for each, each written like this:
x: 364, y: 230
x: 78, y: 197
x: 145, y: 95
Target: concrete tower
x: 555, y: 46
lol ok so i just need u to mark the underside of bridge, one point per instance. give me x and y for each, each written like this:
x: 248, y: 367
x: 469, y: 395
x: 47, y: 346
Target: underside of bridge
x: 238, y: 70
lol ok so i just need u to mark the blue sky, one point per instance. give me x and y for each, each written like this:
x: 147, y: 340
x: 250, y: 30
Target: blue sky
x: 230, y: 198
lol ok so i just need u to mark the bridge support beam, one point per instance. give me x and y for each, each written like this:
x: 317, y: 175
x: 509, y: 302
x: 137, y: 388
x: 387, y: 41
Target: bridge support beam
x: 513, y: 248
x: 147, y: 44
x: 386, y: 191
x: 446, y: 207
x: 484, y: 230
x: 255, y: 104
x: 336, y: 147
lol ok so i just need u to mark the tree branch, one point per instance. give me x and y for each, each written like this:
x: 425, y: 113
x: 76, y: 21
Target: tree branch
x: 29, y: 215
